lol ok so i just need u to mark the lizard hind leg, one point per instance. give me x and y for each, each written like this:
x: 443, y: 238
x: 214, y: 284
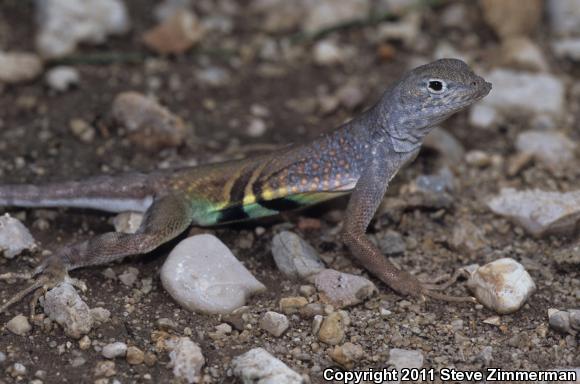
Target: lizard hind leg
x: 167, y: 217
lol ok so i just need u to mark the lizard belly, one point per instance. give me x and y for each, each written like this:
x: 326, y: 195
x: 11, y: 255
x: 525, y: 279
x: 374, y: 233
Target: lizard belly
x: 265, y: 208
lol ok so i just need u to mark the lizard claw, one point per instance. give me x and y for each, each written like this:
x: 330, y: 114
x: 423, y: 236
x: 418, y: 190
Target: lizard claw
x: 430, y: 289
x: 422, y: 290
x: 51, y: 272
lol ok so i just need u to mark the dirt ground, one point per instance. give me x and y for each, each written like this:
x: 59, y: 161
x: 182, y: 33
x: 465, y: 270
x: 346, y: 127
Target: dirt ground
x: 36, y: 145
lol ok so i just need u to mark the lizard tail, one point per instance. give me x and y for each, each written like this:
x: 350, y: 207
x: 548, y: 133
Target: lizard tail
x: 131, y: 192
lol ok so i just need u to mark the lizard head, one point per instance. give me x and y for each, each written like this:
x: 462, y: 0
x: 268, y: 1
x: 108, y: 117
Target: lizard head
x: 426, y: 96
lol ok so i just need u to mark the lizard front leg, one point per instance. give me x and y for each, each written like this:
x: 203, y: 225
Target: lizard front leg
x: 167, y: 217
x: 364, y: 201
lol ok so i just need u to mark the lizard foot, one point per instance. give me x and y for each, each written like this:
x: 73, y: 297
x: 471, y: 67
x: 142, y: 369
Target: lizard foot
x: 442, y: 283
x: 410, y: 285
x: 50, y: 273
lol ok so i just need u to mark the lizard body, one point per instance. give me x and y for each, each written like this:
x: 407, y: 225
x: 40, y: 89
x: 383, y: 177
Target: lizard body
x: 360, y: 157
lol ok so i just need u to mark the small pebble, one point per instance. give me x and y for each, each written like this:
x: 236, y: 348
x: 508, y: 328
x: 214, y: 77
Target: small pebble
x: 294, y: 257
x: 559, y: 320
x: 19, y: 325
x: 575, y: 318
x: 165, y: 323
x: 347, y: 354
x: 332, y: 329
x: 290, y: 305
x: 259, y: 366
x: 18, y: 369
x: 14, y: 236
x: 274, y: 323
x: 105, y: 368
x: 391, y: 243
x: 176, y: 34
x: 84, y: 343
x: 150, y: 126
x: 62, y: 78
x: 327, y: 52
x: 135, y: 356
x: 403, y: 358
x: 129, y: 276
x: 186, y: 359
x: 113, y: 350
x: 82, y: 130
x: 63, y: 305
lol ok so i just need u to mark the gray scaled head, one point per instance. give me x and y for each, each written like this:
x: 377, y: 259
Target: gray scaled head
x: 429, y: 94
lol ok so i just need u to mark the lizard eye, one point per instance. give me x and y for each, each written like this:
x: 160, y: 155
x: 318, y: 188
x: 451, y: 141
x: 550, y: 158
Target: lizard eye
x: 436, y: 86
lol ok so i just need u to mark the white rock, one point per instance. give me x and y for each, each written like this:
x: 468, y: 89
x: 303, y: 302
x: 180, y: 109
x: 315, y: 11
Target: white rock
x: 16, y: 67
x: 343, y: 289
x: 327, y: 52
x: 63, y: 305
x: 294, y: 257
x: 524, y: 92
x: 19, y: 325
x: 454, y: 15
x: 523, y: 53
x: 564, y: 16
x: 502, y: 285
x: 567, y: 48
x: 482, y: 116
x: 213, y: 76
x: 186, y: 359
x: 100, y: 314
x: 259, y: 367
x: 406, y: 30
x: 18, y: 369
x: 113, y: 350
x: 62, y: 78
x: 553, y: 149
x: 128, y: 222
x: 65, y: 23
x: 149, y: 125
x: 129, y: 276
x: 539, y: 212
x: 404, y: 358
x: 327, y: 13
x: 274, y: 323
x: 14, y: 237
x: 203, y: 275
x: 257, y: 127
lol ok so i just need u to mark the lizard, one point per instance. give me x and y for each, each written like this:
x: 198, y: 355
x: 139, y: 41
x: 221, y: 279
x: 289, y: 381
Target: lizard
x: 359, y: 158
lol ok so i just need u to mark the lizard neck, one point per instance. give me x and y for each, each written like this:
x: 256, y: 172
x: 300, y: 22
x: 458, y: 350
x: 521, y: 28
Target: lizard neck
x: 394, y: 121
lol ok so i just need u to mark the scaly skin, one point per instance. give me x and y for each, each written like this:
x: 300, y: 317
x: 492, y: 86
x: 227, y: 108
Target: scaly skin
x: 360, y: 157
